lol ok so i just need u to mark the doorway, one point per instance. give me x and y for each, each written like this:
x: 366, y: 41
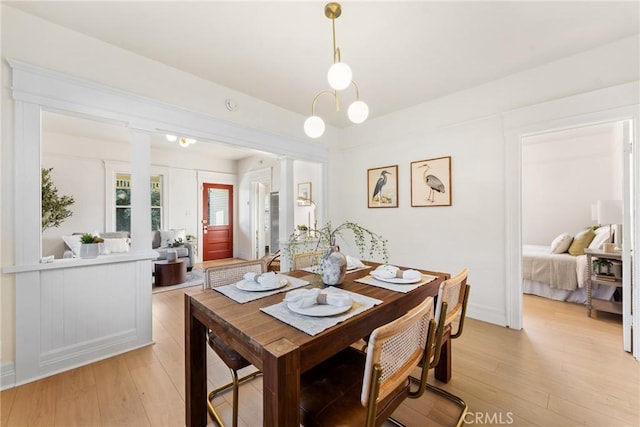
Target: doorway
x: 217, y: 222
x: 608, y: 177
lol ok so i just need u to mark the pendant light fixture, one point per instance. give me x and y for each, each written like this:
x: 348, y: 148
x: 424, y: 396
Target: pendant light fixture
x: 339, y: 77
x: 183, y: 141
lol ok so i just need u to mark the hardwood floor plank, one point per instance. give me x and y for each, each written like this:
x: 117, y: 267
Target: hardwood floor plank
x: 35, y: 403
x: 159, y: 395
x: 6, y: 402
x: 77, y: 399
x: 118, y: 397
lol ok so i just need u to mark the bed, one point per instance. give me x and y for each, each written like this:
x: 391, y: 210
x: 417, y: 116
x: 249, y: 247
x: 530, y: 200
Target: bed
x: 561, y: 276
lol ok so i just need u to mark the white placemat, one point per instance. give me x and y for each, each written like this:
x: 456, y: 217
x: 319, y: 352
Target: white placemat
x: 245, y: 296
x: 404, y: 288
x: 315, y: 325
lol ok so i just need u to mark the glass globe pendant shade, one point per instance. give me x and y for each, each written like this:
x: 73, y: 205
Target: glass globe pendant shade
x: 314, y: 127
x: 339, y: 76
x: 183, y: 142
x: 358, y: 112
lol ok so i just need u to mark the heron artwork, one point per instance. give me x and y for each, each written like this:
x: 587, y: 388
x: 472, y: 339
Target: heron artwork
x: 382, y: 181
x: 434, y: 184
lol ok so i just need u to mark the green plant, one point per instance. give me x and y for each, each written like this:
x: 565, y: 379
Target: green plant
x: 55, y: 209
x: 602, y: 264
x: 90, y: 238
x: 368, y: 243
x: 303, y: 227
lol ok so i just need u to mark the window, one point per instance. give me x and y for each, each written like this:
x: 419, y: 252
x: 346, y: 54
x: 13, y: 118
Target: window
x: 123, y: 202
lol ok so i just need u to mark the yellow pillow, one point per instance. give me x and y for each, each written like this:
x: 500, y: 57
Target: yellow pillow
x: 581, y: 241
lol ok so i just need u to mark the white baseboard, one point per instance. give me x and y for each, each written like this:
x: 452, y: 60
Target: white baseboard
x: 487, y: 314
x: 7, y: 376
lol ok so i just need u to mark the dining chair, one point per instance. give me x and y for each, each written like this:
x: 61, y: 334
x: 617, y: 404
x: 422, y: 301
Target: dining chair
x: 220, y: 276
x: 356, y: 388
x: 451, y: 309
x: 306, y: 259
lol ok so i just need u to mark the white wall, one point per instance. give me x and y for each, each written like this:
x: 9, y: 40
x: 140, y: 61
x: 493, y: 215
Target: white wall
x: 468, y: 126
x: 563, y: 174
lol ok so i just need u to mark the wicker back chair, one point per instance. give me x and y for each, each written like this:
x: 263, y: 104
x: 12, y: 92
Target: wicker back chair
x: 306, y: 259
x: 335, y: 391
x: 220, y: 276
x: 451, y: 310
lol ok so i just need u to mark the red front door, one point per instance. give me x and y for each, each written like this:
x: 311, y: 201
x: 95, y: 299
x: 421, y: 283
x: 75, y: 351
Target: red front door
x: 217, y: 223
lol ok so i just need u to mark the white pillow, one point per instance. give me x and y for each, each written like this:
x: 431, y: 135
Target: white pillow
x: 112, y: 246
x: 561, y: 243
x: 602, y: 236
x: 73, y: 243
x: 167, y: 237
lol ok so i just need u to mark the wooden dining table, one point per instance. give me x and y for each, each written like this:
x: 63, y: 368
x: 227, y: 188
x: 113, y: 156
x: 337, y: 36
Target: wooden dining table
x: 279, y: 350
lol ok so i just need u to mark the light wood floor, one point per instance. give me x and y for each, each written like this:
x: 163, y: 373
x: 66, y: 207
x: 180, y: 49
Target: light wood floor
x: 563, y: 369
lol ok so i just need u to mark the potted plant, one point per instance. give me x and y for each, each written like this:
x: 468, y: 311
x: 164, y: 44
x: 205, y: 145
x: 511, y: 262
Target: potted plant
x: 55, y: 208
x: 602, y: 266
x: 333, y: 263
x: 302, y: 230
x: 90, y: 247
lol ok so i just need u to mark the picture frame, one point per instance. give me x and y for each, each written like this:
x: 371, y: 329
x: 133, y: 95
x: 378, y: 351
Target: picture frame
x: 304, y: 194
x: 382, y: 187
x: 431, y: 182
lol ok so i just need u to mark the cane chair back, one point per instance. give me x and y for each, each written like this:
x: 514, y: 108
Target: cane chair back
x: 231, y: 273
x: 395, y: 349
x: 453, y: 293
x: 306, y: 259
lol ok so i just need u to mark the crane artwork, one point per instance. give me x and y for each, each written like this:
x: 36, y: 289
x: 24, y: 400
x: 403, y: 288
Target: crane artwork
x: 382, y: 181
x: 434, y: 184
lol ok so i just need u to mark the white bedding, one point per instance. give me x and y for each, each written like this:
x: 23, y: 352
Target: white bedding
x: 559, y: 271
x: 578, y: 296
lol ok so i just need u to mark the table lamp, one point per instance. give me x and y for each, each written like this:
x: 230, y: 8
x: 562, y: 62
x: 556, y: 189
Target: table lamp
x: 609, y: 212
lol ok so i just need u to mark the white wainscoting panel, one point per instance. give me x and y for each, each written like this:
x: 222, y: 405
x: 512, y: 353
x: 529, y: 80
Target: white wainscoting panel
x: 77, y: 314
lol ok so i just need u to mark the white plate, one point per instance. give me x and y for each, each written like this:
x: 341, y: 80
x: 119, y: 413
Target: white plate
x: 252, y: 286
x: 321, y: 310
x: 398, y: 280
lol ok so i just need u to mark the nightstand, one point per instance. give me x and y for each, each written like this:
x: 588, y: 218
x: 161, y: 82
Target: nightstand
x: 593, y: 278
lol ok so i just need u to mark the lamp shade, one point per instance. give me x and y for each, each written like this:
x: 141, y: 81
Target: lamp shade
x: 314, y: 127
x: 358, y: 112
x: 339, y: 76
x: 609, y: 211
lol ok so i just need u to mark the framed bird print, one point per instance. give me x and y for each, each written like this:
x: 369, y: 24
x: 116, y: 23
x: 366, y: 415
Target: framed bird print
x: 382, y: 187
x: 431, y: 182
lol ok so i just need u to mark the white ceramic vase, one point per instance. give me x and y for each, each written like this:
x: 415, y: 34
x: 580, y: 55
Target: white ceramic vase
x: 333, y: 266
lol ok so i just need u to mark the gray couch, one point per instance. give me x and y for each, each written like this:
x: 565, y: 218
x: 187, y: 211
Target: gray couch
x: 185, y: 251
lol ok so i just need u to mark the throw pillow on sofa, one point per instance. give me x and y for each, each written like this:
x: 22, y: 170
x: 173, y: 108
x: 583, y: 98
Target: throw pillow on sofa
x: 168, y: 237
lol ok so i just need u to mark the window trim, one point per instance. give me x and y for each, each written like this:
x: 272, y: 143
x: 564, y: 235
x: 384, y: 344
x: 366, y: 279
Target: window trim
x: 114, y: 167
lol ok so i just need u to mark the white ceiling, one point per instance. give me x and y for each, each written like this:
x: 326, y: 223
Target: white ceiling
x: 401, y: 53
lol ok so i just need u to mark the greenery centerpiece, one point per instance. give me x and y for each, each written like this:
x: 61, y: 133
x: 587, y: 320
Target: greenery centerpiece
x: 326, y: 238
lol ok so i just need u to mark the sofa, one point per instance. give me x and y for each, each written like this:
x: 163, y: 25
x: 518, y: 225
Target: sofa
x: 162, y: 239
